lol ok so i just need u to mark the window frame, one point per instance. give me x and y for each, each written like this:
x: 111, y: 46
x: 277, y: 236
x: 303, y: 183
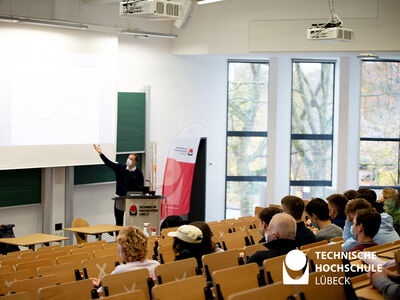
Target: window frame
x: 234, y: 133
x: 318, y: 137
x: 376, y: 139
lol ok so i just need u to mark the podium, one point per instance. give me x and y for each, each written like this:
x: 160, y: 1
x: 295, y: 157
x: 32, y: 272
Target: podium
x: 142, y: 209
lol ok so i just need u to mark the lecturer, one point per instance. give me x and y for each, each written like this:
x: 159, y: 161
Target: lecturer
x: 128, y: 177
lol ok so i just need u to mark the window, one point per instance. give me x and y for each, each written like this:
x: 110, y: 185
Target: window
x: 380, y: 124
x: 311, y: 128
x: 246, y: 171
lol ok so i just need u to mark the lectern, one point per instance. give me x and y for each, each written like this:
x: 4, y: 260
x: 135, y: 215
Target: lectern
x: 142, y: 209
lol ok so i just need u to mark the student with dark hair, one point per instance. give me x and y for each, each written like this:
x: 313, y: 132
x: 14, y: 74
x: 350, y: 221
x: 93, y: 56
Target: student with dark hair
x: 386, y: 233
x: 350, y: 194
x: 294, y: 206
x: 187, y: 243
x: 365, y: 226
x: 371, y: 197
x: 337, y: 204
x: 265, y: 217
x: 208, y: 246
x: 318, y: 211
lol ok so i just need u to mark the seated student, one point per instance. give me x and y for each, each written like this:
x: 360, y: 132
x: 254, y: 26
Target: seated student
x: 337, y: 204
x: 294, y: 206
x: 208, y: 246
x: 280, y: 236
x: 391, y: 205
x: 318, y: 212
x: 265, y: 217
x: 371, y: 197
x: 188, y: 243
x: 386, y: 282
x: 386, y: 233
x: 132, y: 247
x: 350, y: 194
x: 365, y: 226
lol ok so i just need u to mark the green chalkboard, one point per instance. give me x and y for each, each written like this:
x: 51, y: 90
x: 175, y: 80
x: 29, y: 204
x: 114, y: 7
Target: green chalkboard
x: 19, y: 187
x: 131, y: 124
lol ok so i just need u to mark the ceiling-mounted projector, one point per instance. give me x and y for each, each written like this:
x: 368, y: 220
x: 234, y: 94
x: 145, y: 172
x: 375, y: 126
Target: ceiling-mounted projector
x: 152, y: 9
x: 330, y: 34
x: 331, y: 31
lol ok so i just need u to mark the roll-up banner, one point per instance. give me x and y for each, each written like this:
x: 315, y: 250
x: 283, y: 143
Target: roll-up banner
x: 178, y: 175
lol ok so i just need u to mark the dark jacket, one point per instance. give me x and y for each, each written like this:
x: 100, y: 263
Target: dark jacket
x: 339, y: 220
x: 304, y: 235
x: 275, y: 248
x: 126, y: 180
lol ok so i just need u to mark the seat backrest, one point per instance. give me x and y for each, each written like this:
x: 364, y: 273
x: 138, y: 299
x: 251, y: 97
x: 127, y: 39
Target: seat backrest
x: 397, y: 259
x: 98, y: 267
x: 167, y: 242
x: 276, y: 291
x: 13, y: 262
x: 48, y: 249
x: 250, y: 250
x: 18, y: 253
x: 220, y: 260
x: 164, y: 231
x: 381, y: 247
x: 6, y: 269
x: 28, y: 255
x: 235, y: 240
x: 321, y: 291
x: 17, y: 296
x: 190, y: 288
x: 257, y: 210
x: 31, y: 266
x: 273, y: 269
x: 53, y: 255
x: 338, y: 239
x: 63, y: 272
x: 314, y: 254
x: 176, y: 270
x: 110, y: 246
x: 70, y: 290
x: 98, y: 244
x: 88, y: 250
x: 127, y: 282
x: 31, y: 286
x: 235, y: 279
x: 105, y: 252
x: 312, y: 245
x: 7, y: 278
x: 242, y: 225
x: 72, y: 257
x: 218, y: 230
x: 137, y: 295
x: 166, y: 253
x: 81, y: 237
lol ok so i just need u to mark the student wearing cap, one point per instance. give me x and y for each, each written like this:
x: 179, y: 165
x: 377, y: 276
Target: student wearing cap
x: 188, y: 243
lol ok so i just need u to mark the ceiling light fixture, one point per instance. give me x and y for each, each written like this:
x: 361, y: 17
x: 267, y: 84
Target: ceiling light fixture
x: 45, y: 22
x: 149, y: 34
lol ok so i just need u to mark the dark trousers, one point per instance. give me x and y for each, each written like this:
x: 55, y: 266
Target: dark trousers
x: 119, y: 216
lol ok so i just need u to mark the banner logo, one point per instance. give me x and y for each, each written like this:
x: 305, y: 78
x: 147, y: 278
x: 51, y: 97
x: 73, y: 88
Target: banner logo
x: 190, y: 152
x: 295, y: 260
x: 133, y: 210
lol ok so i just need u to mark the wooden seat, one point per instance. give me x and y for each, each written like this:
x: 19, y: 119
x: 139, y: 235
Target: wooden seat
x: 13, y: 262
x: 63, y: 272
x: 241, y: 226
x: 48, y: 248
x: 254, y: 235
x: 164, y: 231
x: 176, y: 270
x: 257, y: 210
x: 7, y: 278
x: 235, y: 279
x: 6, y: 269
x: 137, y: 295
x: 110, y: 246
x: 312, y: 245
x: 235, y: 240
x: 190, y: 288
x: 31, y: 286
x: 66, y: 291
x: 53, y: 255
x: 105, y: 252
x: 273, y: 269
x: 381, y: 247
x: 318, y: 291
x: 98, y: 267
x: 218, y: 230
x: 88, y: 250
x: 128, y: 282
x: 28, y: 255
x: 16, y: 296
x: 167, y: 242
x: 338, y: 239
x: 276, y: 291
x: 219, y: 260
x: 18, y: 253
x: 396, y: 242
x: 31, y: 266
x: 319, y: 260
x: 69, y: 258
x: 98, y: 244
x: 69, y: 247
x: 166, y: 254
x: 250, y: 250
x: 397, y: 260
x: 80, y: 237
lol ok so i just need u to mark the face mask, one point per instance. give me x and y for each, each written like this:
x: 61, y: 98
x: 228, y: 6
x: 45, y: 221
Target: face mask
x: 314, y: 225
x: 266, y: 237
x: 353, y: 236
x: 129, y: 162
x: 120, y: 252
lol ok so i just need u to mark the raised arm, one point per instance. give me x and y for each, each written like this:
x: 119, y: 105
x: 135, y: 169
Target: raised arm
x: 106, y: 161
